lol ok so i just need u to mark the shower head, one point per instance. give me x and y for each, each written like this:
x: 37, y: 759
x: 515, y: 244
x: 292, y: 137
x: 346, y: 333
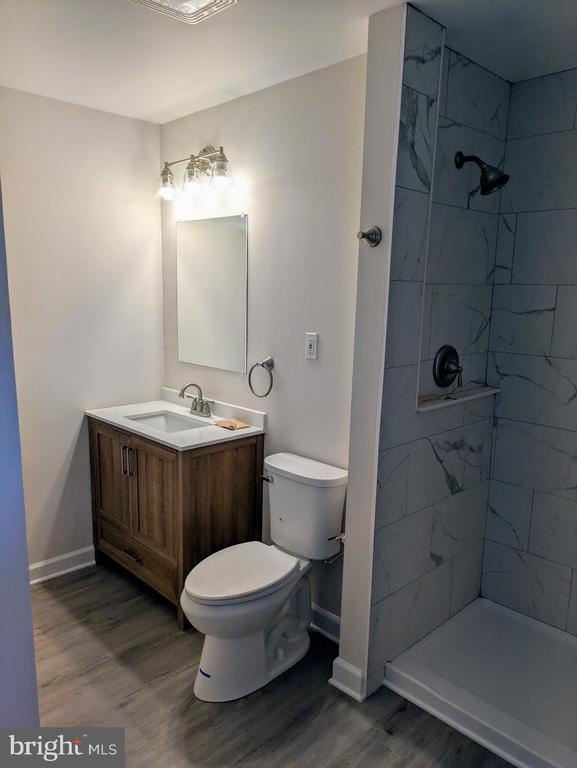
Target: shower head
x: 492, y: 179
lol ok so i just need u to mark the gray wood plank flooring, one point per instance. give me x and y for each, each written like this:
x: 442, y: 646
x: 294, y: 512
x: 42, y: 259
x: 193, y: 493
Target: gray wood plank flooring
x: 109, y: 653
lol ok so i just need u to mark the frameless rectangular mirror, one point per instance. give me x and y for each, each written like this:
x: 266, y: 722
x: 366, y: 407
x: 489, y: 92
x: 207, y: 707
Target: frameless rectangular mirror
x: 212, y: 292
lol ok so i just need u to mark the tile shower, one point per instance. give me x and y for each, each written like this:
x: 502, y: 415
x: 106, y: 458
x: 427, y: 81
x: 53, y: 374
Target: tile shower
x: 479, y: 498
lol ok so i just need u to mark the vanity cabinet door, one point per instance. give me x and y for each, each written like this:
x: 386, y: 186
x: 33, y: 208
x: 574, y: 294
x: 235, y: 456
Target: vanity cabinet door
x: 154, y: 478
x: 110, y: 476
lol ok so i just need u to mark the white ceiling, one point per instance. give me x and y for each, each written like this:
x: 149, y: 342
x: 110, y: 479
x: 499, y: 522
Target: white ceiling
x: 125, y: 58
x: 517, y: 39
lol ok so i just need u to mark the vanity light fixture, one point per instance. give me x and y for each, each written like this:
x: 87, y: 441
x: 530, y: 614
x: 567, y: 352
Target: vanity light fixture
x: 210, y: 165
x: 189, y: 11
x: 166, y: 190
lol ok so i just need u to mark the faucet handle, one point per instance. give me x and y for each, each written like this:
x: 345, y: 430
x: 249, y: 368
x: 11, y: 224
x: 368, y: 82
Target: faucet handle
x: 206, y: 407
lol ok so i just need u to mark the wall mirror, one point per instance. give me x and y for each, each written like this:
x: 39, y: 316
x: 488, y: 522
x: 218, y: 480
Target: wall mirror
x: 212, y: 266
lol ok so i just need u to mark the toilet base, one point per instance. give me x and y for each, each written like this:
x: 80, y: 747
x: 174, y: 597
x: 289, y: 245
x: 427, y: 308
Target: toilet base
x: 234, y: 667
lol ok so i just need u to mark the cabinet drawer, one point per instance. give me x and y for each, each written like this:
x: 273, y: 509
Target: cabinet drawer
x: 157, y: 571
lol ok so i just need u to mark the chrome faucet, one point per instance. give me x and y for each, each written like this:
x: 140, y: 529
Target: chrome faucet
x: 199, y: 406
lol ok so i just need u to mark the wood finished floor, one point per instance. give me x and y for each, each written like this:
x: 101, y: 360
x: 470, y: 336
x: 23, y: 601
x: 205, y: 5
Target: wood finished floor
x: 109, y: 653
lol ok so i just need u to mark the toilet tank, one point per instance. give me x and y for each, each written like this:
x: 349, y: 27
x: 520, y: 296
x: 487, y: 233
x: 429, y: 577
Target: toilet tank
x: 307, y: 501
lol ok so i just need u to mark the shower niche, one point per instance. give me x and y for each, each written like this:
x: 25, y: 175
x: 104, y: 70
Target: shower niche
x: 461, y: 240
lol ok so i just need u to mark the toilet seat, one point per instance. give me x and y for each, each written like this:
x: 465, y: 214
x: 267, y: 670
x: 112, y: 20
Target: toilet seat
x: 240, y: 573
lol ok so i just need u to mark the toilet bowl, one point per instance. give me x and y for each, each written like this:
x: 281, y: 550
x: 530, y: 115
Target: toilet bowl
x: 252, y: 600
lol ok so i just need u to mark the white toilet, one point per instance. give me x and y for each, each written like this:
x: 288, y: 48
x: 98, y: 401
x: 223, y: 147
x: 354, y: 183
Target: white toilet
x: 252, y: 601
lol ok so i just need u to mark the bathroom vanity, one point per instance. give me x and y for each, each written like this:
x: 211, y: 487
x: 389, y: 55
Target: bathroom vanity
x: 168, y: 489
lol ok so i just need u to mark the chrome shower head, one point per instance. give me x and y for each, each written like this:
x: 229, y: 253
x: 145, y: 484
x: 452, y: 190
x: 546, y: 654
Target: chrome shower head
x: 492, y: 179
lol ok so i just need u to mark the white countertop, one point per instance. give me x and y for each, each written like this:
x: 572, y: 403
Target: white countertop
x: 198, y: 437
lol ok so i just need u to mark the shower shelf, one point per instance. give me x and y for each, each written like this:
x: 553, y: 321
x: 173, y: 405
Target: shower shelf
x: 444, y: 401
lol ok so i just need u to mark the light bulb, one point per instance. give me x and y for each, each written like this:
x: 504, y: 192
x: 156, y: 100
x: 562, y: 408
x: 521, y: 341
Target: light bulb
x: 192, y: 177
x: 167, y: 190
x: 220, y: 170
x: 191, y: 187
x: 167, y: 193
x: 221, y: 182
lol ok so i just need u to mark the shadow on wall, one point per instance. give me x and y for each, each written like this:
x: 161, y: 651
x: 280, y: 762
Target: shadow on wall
x: 18, y: 702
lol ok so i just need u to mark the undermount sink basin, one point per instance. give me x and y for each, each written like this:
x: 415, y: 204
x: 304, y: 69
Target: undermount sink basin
x: 167, y: 421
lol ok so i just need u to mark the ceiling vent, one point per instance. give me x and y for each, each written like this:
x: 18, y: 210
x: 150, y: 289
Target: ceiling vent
x: 190, y: 11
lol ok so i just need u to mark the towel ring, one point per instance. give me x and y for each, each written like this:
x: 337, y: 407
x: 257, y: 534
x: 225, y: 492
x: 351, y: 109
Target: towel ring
x: 268, y: 365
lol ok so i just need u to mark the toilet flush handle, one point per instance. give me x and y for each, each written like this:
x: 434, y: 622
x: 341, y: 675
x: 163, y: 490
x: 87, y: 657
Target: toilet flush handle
x: 267, y: 479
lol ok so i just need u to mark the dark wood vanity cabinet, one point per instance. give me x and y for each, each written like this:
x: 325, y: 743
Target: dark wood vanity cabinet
x: 158, y: 511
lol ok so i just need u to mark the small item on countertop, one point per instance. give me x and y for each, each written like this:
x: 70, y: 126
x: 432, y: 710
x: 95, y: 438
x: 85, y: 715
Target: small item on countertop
x: 232, y: 424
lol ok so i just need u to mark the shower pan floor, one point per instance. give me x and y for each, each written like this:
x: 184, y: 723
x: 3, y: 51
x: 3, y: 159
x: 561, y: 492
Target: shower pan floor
x: 507, y: 681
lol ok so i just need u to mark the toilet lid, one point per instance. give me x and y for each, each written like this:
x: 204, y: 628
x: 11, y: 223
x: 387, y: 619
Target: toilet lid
x: 240, y: 571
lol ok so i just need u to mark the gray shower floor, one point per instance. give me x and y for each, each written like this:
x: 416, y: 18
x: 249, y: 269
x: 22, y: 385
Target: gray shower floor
x: 504, y: 679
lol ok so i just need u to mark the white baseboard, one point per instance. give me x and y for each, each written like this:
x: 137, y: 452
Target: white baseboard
x: 58, y: 566
x: 326, y: 623
x: 352, y: 681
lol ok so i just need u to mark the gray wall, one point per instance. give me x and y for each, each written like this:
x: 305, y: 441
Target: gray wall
x: 531, y: 550
x: 18, y: 704
x: 84, y: 268
x: 434, y: 466
x: 297, y: 280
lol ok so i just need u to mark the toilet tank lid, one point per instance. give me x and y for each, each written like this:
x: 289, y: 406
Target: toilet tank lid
x: 304, y: 470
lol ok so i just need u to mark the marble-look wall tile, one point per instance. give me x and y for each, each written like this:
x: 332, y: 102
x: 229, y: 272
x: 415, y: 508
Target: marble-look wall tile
x: 460, y: 316
x: 477, y: 97
x: 509, y: 514
x: 436, y: 469
x: 478, y: 410
x: 492, y: 151
x: 526, y: 583
x: 416, y: 140
x: 572, y: 617
x: 400, y: 421
x: 410, y: 224
x: 564, y: 341
x: 451, y: 185
x: 445, y: 464
x: 461, y: 246
x: 543, y: 105
x: 476, y: 452
x: 543, y: 170
x: 554, y: 529
x: 423, y: 46
x: 539, y: 390
x: 392, y: 485
x: 505, y: 248
x: 402, y: 619
x: 402, y: 553
x: 444, y: 82
x: 404, y: 323
x: 467, y: 567
x: 458, y: 523
x: 541, y: 458
x: 522, y: 318
x: 545, y: 248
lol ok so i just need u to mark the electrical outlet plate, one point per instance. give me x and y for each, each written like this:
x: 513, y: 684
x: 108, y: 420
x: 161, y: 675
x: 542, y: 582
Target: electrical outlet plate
x: 311, y: 345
